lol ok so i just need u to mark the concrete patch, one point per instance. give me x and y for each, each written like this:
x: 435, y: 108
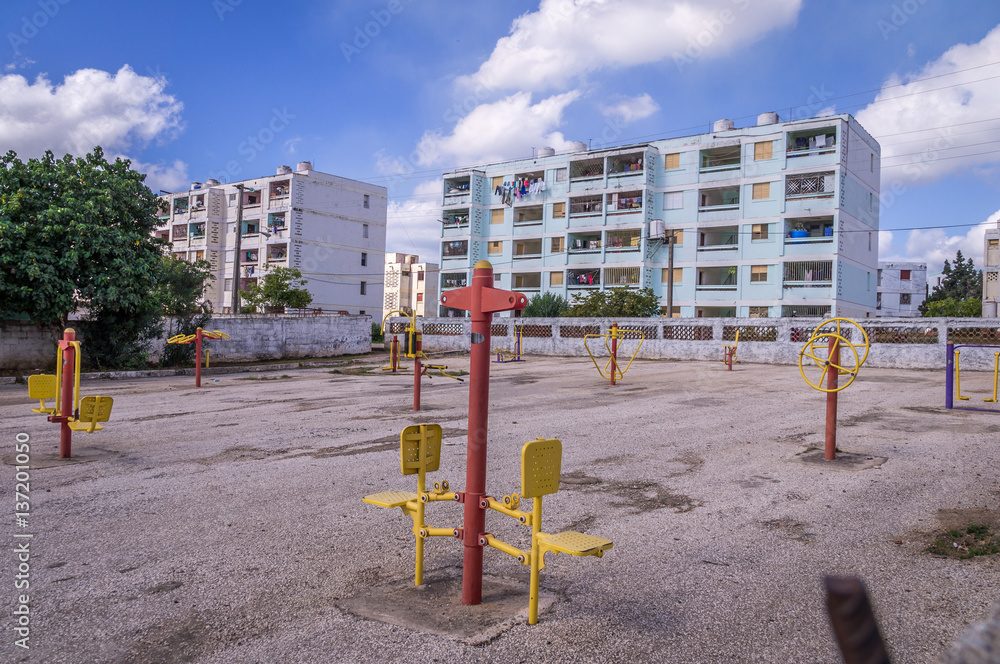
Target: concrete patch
x: 436, y: 607
x: 844, y: 460
x: 51, y: 459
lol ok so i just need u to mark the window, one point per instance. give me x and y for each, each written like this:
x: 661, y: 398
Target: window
x: 904, y: 298
x: 420, y: 297
x: 869, y: 241
x: 873, y: 162
x: 673, y: 200
x: 367, y: 201
x: 562, y: 174
x: 759, y: 312
x: 871, y: 201
x: 761, y: 190
x: 671, y: 161
x: 879, y: 278
x: 496, y: 277
x: 763, y: 150
x: 904, y: 275
x: 558, y: 210
x: 496, y: 216
x: 420, y: 275
x: 229, y: 285
x: 364, y: 230
x: 759, y: 231
x: 232, y: 200
x: 558, y: 245
x: 364, y: 259
x: 555, y: 278
x: 496, y: 247
x: 677, y: 235
x: 361, y: 313
x: 878, y: 300
x: 497, y: 182
x: 678, y: 275
x: 868, y: 281
x: 758, y: 273
x: 364, y: 288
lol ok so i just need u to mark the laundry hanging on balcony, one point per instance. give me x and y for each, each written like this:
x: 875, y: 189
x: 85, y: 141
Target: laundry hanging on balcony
x: 519, y: 188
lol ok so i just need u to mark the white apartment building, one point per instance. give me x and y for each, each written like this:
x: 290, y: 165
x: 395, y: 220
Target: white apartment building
x: 331, y: 228
x: 410, y: 285
x: 776, y: 219
x: 902, y: 288
x: 991, y: 272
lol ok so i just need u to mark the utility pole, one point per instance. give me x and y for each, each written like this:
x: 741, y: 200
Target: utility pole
x: 236, y: 255
x: 670, y: 274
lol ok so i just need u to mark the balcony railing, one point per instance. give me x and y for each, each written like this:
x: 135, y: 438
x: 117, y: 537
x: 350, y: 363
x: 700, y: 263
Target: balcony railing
x: 809, y: 186
x: 808, y: 273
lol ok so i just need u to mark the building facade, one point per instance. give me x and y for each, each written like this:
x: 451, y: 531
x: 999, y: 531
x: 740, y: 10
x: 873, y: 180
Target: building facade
x: 902, y: 288
x: 330, y: 228
x: 777, y: 219
x: 410, y: 285
x: 991, y: 272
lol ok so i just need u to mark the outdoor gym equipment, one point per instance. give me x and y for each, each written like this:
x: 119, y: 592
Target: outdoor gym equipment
x: 832, y: 367
x: 504, y: 356
x: 413, y: 348
x: 70, y: 411
x: 953, y: 380
x: 197, y: 337
x: 612, y: 370
x: 730, y: 352
x: 541, y: 461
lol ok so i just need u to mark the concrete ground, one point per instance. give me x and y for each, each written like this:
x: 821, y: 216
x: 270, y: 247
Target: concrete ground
x: 226, y: 525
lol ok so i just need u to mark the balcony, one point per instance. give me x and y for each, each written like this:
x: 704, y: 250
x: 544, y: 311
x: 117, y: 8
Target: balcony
x: 812, y: 142
x: 992, y: 253
x: 250, y: 229
x: 586, y: 169
x: 181, y: 205
x: 814, y: 185
x: 626, y: 202
x: 526, y: 281
x: 815, y: 230
x: 179, y: 232
x: 623, y: 240
x: 588, y: 279
x: 532, y: 215
x: 586, y: 206
x: 622, y: 276
x: 454, y: 280
x: 196, y: 231
x: 276, y: 222
x: 455, y: 219
x: 251, y: 199
x: 278, y: 195
x: 720, y: 160
x: 724, y: 198
x: 625, y: 164
x: 457, y: 249
x: 277, y: 254
x: 584, y: 243
x: 457, y: 190
x: 717, y: 279
x: 527, y: 249
x: 808, y: 274
x: 723, y: 238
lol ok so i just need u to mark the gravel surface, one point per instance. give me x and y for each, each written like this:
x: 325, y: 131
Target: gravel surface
x: 226, y: 525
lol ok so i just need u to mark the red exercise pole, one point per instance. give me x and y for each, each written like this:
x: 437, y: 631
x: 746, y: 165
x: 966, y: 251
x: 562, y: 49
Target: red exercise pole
x: 482, y: 300
x: 394, y: 353
x: 417, y: 347
x: 197, y: 362
x: 833, y: 372
x: 68, y: 371
x: 614, y: 352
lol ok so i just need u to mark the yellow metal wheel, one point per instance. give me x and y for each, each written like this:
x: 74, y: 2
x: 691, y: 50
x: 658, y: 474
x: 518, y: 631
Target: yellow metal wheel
x: 817, y: 349
x: 841, y: 324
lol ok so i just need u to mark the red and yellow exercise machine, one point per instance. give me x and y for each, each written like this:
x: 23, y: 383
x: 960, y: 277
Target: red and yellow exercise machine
x: 70, y: 412
x: 612, y: 370
x: 420, y: 453
x: 413, y: 349
x: 198, y: 338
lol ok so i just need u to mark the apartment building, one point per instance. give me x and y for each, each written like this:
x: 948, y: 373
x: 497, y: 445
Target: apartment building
x: 331, y: 228
x: 776, y: 219
x: 902, y: 288
x: 991, y: 272
x: 410, y: 285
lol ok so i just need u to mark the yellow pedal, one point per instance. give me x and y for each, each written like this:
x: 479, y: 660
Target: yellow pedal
x: 575, y: 544
x: 390, y: 498
x: 78, y: 425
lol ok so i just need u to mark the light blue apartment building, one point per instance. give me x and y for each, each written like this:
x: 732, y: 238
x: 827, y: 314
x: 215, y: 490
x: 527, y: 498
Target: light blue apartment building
x: 776, y: 219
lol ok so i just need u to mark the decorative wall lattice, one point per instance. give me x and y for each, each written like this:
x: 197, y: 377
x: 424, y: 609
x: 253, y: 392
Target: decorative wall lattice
x: 648, y: 331
x: 578, y: 331
x: 902, y: 335
x: 454, y: 329
x: 802, y: 334
x: 396, y: 328
x: 687, y: 332
x: 536, y: 331
x: 974, y: 335
x: 498, y: 330
x: 750, y: 333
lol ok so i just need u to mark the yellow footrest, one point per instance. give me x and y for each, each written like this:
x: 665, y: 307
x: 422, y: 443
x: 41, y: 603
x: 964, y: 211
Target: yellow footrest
x: 576, y: 544
x: 44, y: 411
x: 390, y: 498
x: 78, y: 425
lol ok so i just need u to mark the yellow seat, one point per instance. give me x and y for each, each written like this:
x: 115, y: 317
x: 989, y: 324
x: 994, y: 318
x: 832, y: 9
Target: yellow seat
x: 92, y: 411
x: 390, y: 498
x: 574, y: 543
x: 42, y: 387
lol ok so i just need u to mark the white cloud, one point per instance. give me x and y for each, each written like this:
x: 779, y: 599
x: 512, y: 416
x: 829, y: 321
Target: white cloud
x: 632, y: 109
x: 934, y: 245
x: 90, y: 107
x: 170, y: 177
x: 565, y: 39
x: 500, y: 130
x: 414, y: 226
x: 926, y: 126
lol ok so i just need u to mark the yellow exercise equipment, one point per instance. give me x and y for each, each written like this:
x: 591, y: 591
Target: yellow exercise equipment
x: 43, y: 387
x: 818, y: 349
x: 611, y: 338
x: 729, y: 354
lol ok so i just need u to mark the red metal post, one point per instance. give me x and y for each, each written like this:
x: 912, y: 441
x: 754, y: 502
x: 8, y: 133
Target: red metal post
x: 482, y: 300
x: 197, y: 361
x: 833, y: 372
x: 614, y: 352
x: 394, y: 353
x: 729, y: 358
x: 68, y: 377
x: 418, y: 344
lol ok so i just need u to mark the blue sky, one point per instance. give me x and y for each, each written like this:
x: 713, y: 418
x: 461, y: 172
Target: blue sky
x: 398, y: 91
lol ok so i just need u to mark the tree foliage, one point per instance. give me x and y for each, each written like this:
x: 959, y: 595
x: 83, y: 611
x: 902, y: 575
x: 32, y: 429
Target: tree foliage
x: 278, y: 288
x: 962, y: 285
x: 179, y: 294
x: 616, y: 302
x: 546, y: 305
x: 75, y: 232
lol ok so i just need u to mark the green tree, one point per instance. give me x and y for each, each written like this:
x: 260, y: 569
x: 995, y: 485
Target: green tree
x: 75, y: 232
x: 962, y: 283
x: 616, y: 303
x: 277, y: 289
x: 180, y: 295
x: 546, y: 305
